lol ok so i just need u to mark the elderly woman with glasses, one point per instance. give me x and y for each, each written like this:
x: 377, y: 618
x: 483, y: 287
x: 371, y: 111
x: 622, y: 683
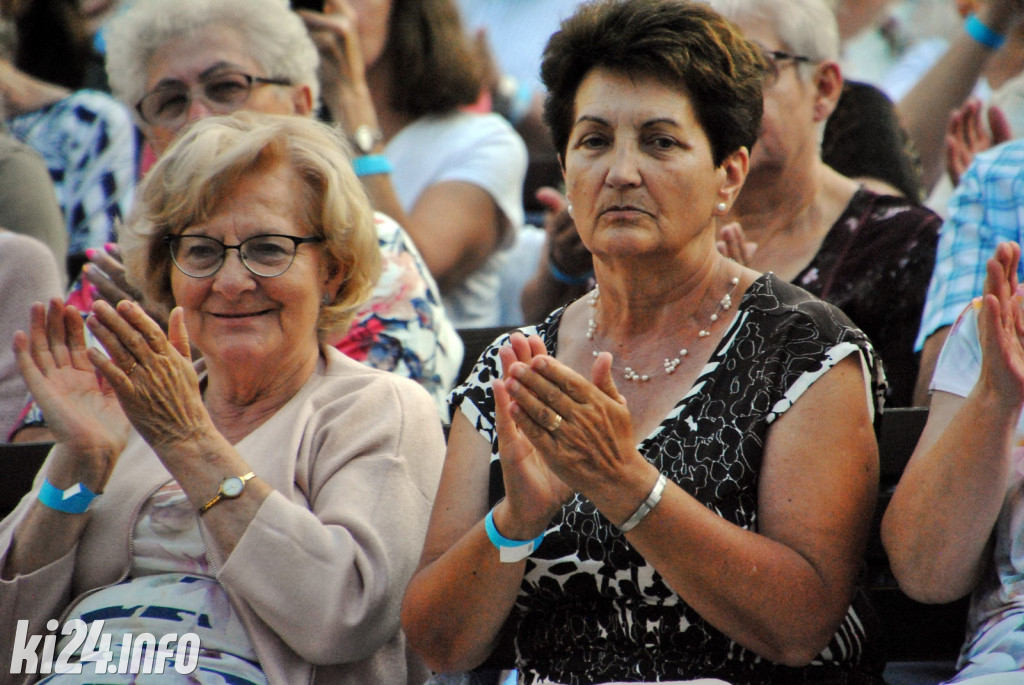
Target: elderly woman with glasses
x: 871, y: 255
x: 271, y: 499
x: 174, y: 63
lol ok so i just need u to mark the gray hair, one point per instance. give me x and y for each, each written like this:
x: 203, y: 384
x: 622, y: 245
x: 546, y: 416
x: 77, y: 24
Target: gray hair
x: 807, y: 27
x: 275, y: 36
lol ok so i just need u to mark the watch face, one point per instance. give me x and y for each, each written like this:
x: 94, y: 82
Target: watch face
x: 365, y: 138
x: 232, y: 487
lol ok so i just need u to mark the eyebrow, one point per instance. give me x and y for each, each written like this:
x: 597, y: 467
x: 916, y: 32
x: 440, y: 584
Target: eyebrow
x: 604, y: 122
x: 212, y: 69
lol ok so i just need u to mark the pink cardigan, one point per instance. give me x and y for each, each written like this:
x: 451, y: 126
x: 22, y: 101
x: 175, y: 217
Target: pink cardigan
x: 318, y: 577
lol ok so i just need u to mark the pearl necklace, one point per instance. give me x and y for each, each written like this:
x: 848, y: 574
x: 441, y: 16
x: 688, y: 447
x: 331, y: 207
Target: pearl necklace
x: 670, y: 364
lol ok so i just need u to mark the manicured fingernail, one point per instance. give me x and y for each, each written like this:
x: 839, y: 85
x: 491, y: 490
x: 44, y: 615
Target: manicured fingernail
x: 109, y: 247
x: 90, y: 252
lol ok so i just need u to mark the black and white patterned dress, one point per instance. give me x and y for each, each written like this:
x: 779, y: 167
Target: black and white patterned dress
x: 590, y: 609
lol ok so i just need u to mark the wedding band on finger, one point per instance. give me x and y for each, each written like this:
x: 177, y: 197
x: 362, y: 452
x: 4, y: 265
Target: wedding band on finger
x: 555, y: 424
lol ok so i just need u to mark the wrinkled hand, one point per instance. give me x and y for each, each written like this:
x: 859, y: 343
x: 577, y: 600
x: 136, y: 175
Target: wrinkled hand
x: 533, y: 492
x: 565, y: 248
x: 150, y: 372
x: 732, y: 242
x: 967, y: 135
x: 106, y: 272
x: 592, y: 448
x: 1001, y: 326
x: 109, y: 276
x: 81, y: 411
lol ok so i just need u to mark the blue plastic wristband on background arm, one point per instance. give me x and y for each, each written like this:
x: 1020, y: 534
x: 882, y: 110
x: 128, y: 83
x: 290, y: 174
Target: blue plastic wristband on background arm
x: 983, y: 34
x: 509, y: 550
x: 370, y: 165
x: 74, y: 500
x: 568, y: 279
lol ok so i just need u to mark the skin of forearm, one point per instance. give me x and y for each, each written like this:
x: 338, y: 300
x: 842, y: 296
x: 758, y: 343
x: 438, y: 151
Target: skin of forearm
x: 759, y: 592
x: 937, y: 527
x: 924, y: 110
x: 455, y: 606
x: 42, y: 537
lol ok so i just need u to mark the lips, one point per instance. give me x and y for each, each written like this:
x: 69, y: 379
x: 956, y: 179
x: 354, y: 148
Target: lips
x: 624, y: 208
x: 244, y: 315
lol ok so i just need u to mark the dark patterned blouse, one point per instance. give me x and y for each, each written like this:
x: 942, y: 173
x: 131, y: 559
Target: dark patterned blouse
x: 590, y: 609
x: 875, y: 264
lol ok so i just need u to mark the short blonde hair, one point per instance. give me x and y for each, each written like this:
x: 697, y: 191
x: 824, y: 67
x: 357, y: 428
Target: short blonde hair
x: 207, y: 160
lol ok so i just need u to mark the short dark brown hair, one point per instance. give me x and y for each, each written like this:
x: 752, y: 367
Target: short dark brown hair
x: 434, y: 64
x: 683, y: 43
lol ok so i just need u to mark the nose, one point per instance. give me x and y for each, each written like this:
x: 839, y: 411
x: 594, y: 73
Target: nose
x: 197, y: 109
x: 233, y: 277
x: 624, y: 169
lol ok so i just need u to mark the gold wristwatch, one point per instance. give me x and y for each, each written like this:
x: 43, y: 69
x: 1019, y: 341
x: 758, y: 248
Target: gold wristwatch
x: 230, y: 488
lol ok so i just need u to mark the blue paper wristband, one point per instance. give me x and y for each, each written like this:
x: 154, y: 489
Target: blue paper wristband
x: 370, y: 165
x: 74, y: 500
x: 568, y: 279
x: 983, y: 34
x: 509, y: 550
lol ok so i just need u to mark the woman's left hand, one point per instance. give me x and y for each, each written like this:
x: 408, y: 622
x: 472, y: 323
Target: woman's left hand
x: 592, y: 446
x: 732, y: 242
x: 151, y: 373
x: 342, y: 70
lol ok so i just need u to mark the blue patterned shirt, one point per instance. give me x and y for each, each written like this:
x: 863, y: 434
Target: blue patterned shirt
x: 88, y: 142
x: 986, y: 209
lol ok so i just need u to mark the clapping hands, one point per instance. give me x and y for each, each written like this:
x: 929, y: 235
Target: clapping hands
x: 1001, y: 326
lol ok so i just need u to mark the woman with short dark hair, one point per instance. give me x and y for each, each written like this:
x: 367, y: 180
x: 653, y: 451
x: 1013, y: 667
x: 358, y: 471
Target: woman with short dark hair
x: 672, y: 477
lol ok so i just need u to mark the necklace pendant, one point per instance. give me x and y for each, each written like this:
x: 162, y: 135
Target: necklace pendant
x: 670, y: 364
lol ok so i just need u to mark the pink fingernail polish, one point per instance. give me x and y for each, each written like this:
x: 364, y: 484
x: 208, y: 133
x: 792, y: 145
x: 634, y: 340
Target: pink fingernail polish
x: 109, y: 247
x: 90, y: 252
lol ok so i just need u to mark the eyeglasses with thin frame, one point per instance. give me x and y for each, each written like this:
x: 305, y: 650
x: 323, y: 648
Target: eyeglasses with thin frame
x: 223, y: 93
x: 774, y: 61
x: 267, y: 255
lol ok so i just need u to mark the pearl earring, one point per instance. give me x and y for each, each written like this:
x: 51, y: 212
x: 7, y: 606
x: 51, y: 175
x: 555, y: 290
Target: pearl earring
x: 568, y: 208
x: 721, y: 207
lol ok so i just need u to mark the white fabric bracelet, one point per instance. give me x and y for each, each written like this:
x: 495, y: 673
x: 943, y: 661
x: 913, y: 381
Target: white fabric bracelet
x: 645, y: 507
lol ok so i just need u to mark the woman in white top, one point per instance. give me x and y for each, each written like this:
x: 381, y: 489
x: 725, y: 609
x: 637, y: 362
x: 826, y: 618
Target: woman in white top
x: 399, y: 77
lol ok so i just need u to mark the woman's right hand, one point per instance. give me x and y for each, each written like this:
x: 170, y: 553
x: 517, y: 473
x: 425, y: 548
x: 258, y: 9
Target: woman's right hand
x: 1001, y: 326
x: 81, y: 411
x: 565, y: 249
x: 967, y: 135
x: 533, y: 493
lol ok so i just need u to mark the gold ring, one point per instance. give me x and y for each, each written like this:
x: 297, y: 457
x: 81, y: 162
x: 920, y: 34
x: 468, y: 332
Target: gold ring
x: 129, y: 371
x: 555, y: 424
